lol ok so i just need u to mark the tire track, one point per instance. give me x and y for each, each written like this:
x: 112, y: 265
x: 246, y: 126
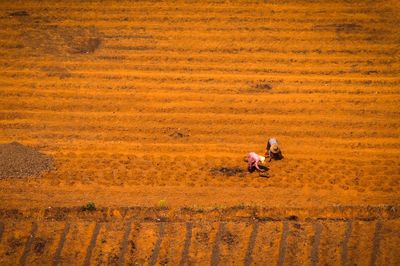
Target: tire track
x: 1, y: 231
x: 28, y: 245
x: 344, y: 251
x: 376, y: 242
x: 282, y: 244
x: 92, y: 244
x: 215, y: 249
x: 124, y: 244
x: 60, y: 246
x: 157, y: 246
x: 250, y: 247
x: 186, y: 247
x: 316, y: 239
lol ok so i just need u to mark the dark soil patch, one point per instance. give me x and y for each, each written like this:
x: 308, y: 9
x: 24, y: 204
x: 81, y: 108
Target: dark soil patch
x: 176, y: 133
x: 39, y: 245
x: 339, y: 28
x: 179, y: 135
x: 13, y: 245
x: 39, y: 35
x: 17, y: 160
x: 113, y: 259
x: 20, y: 13
x: 347, y: 27
x: 230, y: 238
x: 56, y: 71
x: 86, y: 45
x: 260, y: 86
x: 293, y: 218
x: 228, y: 171
x: 81, y: 40
x: 202, y: 237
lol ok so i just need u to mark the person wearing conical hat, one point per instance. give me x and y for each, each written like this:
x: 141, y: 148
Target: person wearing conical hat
x: 273, y: 150
x: 253, y: 159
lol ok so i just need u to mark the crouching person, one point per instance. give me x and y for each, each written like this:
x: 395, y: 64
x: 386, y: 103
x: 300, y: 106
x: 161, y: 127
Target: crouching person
x: 253, y: 159
x: 273, y: 150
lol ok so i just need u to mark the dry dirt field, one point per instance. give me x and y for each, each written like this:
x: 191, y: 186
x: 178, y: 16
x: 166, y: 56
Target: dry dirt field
x: 143, y: 104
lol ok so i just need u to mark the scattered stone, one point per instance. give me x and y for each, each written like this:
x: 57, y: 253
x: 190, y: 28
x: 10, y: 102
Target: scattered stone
x: 17, y: 160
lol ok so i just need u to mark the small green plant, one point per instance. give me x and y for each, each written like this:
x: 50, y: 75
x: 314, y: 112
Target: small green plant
x: 163, y: 204
x: 90, y: 206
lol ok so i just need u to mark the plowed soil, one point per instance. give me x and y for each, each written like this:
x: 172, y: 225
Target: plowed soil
x: 156, y: 103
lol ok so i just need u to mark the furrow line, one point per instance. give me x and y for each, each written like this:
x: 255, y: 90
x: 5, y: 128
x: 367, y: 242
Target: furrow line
x: 57, y: 255
x: 251, y: 49
x: 178, y: 100
x: 184, y: 77
x: 202, y: 89
x: 376, y: 243
x: 92, y: 244
x: 282, y: 244
x: 344, y: 247
x: 159, y: 26
x: 315, y: 243
x: 186, y: 246
x: 199, y: 17
x: 215, y: 249
x: 124, y: 244
x: 45, y: 114
x: 198, y: 128
x: 235, y: 8
x: 179, y: 84
x: 157, y: 246
x: 28, y: 245
x: 1, y: 230
x: 193, y: 60
x: 250, y: 247
x: 295, y: 70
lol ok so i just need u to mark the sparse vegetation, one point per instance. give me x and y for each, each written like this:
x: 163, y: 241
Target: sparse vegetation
x: 163, y: 204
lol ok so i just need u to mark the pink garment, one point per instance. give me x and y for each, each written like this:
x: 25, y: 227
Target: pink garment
x: 252, y: 160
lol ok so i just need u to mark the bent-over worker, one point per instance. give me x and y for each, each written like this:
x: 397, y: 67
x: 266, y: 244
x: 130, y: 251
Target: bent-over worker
x: 273, y: 150
x: 253, y: 159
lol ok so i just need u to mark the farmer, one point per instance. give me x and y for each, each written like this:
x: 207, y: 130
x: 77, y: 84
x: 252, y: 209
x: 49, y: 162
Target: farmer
x: 253, y: 159
x: 273, y: 150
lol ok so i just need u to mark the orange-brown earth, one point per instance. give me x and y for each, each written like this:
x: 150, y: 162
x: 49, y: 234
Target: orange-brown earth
x: 139, y: 101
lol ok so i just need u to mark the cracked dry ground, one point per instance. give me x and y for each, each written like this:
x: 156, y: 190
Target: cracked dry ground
x: 139, y: 102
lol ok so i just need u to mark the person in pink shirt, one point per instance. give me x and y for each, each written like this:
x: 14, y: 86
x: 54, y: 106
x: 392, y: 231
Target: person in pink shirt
x: 253, y: 159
